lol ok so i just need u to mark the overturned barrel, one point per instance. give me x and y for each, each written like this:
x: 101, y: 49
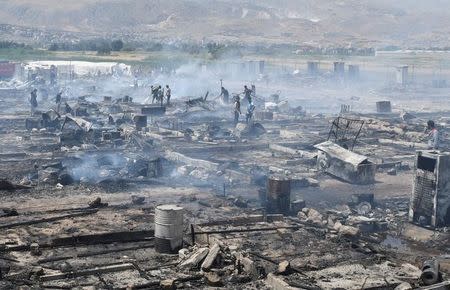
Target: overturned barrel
x: 430, y: 272
x: 168, y: 228
x: 278, y: 194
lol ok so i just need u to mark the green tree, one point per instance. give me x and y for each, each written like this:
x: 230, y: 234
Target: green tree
x: 117, y: 45
x: 54, y: 47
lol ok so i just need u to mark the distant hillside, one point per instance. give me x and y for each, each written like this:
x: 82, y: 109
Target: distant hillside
x: 318, y: 22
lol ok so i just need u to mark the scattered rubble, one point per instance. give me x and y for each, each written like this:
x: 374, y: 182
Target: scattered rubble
x: 114, y: 192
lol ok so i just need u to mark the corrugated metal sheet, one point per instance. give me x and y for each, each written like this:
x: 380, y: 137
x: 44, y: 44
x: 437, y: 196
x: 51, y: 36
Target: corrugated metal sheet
x: 343, y: 154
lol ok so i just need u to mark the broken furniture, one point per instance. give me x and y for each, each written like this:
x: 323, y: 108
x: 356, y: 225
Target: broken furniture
x: 345, y: 132
x: 344, y: 164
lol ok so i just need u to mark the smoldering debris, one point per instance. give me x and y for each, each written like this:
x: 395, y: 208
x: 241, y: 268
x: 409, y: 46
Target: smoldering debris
x: 105, y: 189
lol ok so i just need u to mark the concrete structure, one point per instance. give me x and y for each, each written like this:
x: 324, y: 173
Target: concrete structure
x: 339, y: 68
x: 252, y: 67
x: 344, y: 164
x: 402, y: 75
x: 313, y: 67
x: 430, y: 198
x: 384, y: 107
x: 353, y: 71
x: 261, y: 67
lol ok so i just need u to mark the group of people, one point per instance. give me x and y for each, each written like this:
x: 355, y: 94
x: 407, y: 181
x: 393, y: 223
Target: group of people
x: 58, y: 101
x: 248, y: 97
x: 158, y: 94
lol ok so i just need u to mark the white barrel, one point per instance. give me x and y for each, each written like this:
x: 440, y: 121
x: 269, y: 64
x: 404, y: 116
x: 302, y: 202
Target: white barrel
x: 168, y: 228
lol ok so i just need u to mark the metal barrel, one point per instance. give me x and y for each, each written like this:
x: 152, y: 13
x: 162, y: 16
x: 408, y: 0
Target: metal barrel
x: 168, y: 228
x: 430, y: 272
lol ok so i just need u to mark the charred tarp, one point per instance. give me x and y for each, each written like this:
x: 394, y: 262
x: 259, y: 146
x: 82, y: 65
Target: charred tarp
x: 345, y: 164
x: 74, y: 130
x: 430, y: 198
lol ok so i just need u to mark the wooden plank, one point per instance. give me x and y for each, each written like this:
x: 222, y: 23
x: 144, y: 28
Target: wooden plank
x: 438, y: 286
x: 297, y: 152
x: 104, y: 238
x: 91, y: 253
x: 194, y: 260
x: 87, y: 272
x: 46, y: 220
x: 211, y: 257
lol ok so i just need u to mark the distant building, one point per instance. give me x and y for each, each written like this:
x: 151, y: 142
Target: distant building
x: 313, y: 68
x: 402, y: 75
x: 353, y: 71
x: 262, y: 65
x: 339, y: 68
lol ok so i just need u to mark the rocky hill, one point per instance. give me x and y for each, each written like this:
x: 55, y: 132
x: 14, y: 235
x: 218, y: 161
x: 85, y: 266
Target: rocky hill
x: 408, y: 23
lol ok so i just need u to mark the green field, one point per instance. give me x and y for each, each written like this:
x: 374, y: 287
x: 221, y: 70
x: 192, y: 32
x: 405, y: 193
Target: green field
x: 429, y: 62
x: 132, y: 58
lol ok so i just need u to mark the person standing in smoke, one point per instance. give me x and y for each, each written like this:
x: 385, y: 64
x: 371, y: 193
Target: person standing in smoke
x: 58, y: 101
x: 433, y: 135
x: 161, y: 95
x: 168, y: 94
x: 68, y: 109
x: 154, y: 92
x: 110, y: 120
x: 237, y: 109
x: 225, y: 95
x: 249, y: 114
x: 248, y: 94
x: 135, y: 85
x: 33, y: 101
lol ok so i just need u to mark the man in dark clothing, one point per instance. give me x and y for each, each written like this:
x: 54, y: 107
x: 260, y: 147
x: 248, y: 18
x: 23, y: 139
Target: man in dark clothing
x: 161, y: 95
x: 33, y: 101
x: 237, y: 109
x: 168, y: 94
x: 68, y: 109
x: 248, y: 94
x: 154, y: 92
x: 58, y: 101
x: 225, y: 95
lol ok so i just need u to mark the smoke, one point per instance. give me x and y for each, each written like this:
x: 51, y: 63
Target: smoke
x: 93, y: 168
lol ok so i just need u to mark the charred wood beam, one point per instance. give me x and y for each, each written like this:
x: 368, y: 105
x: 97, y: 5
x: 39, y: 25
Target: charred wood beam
x: 231, y: 231
x: 87, y: 272
x: 97, y: 253
x: 46, y: 220
x: 104, y: 238
x: 93, y: 239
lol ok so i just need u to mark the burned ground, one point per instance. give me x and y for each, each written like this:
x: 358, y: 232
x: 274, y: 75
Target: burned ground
x: 79, y: 202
